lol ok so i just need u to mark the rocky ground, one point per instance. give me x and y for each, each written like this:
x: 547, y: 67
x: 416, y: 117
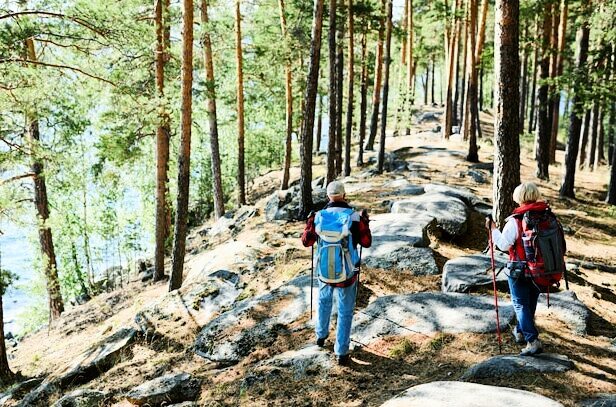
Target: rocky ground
x: 239, y: 331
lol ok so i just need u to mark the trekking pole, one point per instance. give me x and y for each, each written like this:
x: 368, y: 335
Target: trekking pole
x: 491, y: 243
x: 311, y: 277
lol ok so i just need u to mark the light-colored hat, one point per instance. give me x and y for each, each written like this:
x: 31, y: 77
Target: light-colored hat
x: 335, y: 188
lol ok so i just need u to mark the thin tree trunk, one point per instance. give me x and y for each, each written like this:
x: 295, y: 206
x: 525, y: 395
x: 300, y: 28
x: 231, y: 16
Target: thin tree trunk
x: 471, y: 117
x: 181, y: 214
x: 387, y: 62
x: 288, y: 99
x: 376, y: 96
x: 409, y: 67
x: 593, y: 135
x: 611, y: 128
x: 451, y: 62
x: 310, y: 96
x: 432, y: 87
x: 523, y: 83
x: 349, y: 112
x: 481, y: 72
x: 162, y: 150
x: 456, y: 95
x: 611, y: 190
x: 339, y: 95
x: 41, y: 204
x: 575, y: 120
x: 601, y: 139
x: 332, y: 93
x: 319, y: 125
x: 6, y: 375
x: 533, y: 94
x: 241, y: 168
x: 542, y: 137
x: 560, y: 57
x: 464, y: 71
x: 427, y: 83
x: 219, y: 204
x: 506, y: 132
x: 363, y: 104
x: 584, y: 141
x: 551, y: 88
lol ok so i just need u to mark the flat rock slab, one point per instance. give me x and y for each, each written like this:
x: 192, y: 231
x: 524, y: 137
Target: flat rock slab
x: 567, y: 307
x: 303, y: 363
x: 510, y: 365
x: 82, y: 398
x: 253, y: 323
x: 468, y: 273
x: 601, y: 400
x: 397, y: 315
x: 464, y: 194
x: 461, y: 394
x: 234, y: 256
x: 172, y: 388
x: 451, y: 213
x: 418, y: 261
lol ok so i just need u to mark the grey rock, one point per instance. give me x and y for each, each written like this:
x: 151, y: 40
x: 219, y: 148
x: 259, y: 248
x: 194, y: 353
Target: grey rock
x: 18, y: 390
x: 510, y: 365
x: 426, y: 313
x: 418, y: 261
x: 483, y: 208
x: 483, y: 166
x: 461, y: 394
x: 172, y: 388
x: 224, y: 341
x: 593, y: 266
x: 437, y: 129
x: 232, y: 222
x: 284, y: 205
x: 82, y: 398
x: 450, y: 212
x: 467, y: 273
x: 464, y: 194
x: 303, y: 363
x: 429, y: 117
x: 567, y: 307
x: 600, y: 400
x: 477, y: 176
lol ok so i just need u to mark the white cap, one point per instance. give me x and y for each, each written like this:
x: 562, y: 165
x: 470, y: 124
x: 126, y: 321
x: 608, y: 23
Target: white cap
x: 335, y: 188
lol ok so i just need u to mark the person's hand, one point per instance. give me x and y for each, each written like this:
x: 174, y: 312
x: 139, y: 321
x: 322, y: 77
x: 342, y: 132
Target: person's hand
x: 489, y: 223
x: 364, y: 214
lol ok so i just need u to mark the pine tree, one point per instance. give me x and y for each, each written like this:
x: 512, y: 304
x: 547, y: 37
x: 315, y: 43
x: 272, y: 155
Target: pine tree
x: 387, y: 62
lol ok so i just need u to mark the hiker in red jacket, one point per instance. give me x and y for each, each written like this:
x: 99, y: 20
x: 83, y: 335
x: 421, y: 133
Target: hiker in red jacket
x: 524, y: 293
x: 337, y: 230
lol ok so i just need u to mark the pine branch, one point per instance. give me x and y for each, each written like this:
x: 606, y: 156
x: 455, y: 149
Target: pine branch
x: 51, y: 65
x: 76, y: 20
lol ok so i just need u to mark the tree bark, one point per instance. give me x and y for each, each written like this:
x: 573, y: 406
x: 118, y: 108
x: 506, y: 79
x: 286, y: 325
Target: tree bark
x: 41, y: 204
x: 524, y: 80
x: 542, y: 136
x: 427, y: 83
x: 6, y: 375
x: 461, y: 101
x: 332, y: 93
x: 432, y: 83
x: 584, y: 141
x: 387, y: 62
x: 593, y: 135
x: 451, y: 62
x: 532, y: 104
x: 376, y: 96
x: 319, y: 125
x: 611, y: 190
x: 162, y: 149
x: 241, y: 168
x: 349, y: 112
x: 506, y: 132
x: 456, y: 90
x: 575, y: 120
x: 560, y: 57
x: 288, y: 99
x: 339, y: 95
x: 210, y: 83
x: 472, y: 113
x: 363, y: 103
x: 181, y: 215
x: 310, y: 96
x: 409, y: 67
x: 552, y: 75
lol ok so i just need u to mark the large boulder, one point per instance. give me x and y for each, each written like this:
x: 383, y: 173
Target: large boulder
x: 600, y: 400
x: 284, y: 205
x: 427, y: 313
x: 510, y: 365
x: 172, y: 388
x: 302, y: 363
x: 567, y: 307
x: 83, y: 398
x: 461, y: 394
x: 253, y: 323
x: 450, y: 212
x: 468, y: 273
x: 18, y: 391
x: 464, y: 194
x: 418, y: 261
x: 235, y: 256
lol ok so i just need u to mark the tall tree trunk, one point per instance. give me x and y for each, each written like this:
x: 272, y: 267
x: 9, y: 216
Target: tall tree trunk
x: 593, y: 135
x: 409, y: 67
x: 432, y: 87
x: 601, y: 139
x: 523, y: 83
x: 363, y: 103
x: 319, y: 125
x: 310, y: 96
x: 472, y: 113
x: 162, y: 149
x: 451, y: 62
x: 575, y: 120
x: 611, y: 128
x: 376, y: 96
x: 560, y: 57
x: 551, y: 88
x: 332, y: 93
x: 481, y: 72
x: 181, y: 215
x: 339, y: 95
x: 584, y: 141
x: 6, y: 375
x: 427, y: 83
x: 241, y: 168
x: 542, y: 136
x: 288, y: 99
x: 458, y: 52
x: 465, y: 70
x: 41, y: 204
x: 349, y: 112
x: 506, y: 132
x: 532, y: 104
x: 387, y: 62
x: 611, y: 190
x: 210, y: 83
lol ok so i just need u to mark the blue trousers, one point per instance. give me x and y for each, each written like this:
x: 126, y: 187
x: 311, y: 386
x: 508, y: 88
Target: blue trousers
x: 346, y: 305
x: 524, y: 296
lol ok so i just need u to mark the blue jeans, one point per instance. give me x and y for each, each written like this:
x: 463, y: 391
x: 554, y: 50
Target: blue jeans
x: 524, y: 296
x: 346, y: 305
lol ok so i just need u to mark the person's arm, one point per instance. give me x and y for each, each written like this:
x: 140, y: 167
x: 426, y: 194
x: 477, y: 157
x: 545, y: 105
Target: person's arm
x: 309, y: 237
x: 363, y: 229
x: 505, y: 239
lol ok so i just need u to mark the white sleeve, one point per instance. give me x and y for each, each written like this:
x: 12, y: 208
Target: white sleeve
x: 507, y: 238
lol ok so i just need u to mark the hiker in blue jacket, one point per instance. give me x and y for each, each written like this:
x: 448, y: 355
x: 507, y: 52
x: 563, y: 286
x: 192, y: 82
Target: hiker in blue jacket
x: 337, y: 230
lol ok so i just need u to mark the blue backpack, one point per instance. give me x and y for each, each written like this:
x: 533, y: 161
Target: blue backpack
x: 336, y: 254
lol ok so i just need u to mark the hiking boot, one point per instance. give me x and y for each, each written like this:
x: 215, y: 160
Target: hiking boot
x: 517, y: 336
x: 320, y: 342
x: 532, y: 348
x: 344, y: 360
